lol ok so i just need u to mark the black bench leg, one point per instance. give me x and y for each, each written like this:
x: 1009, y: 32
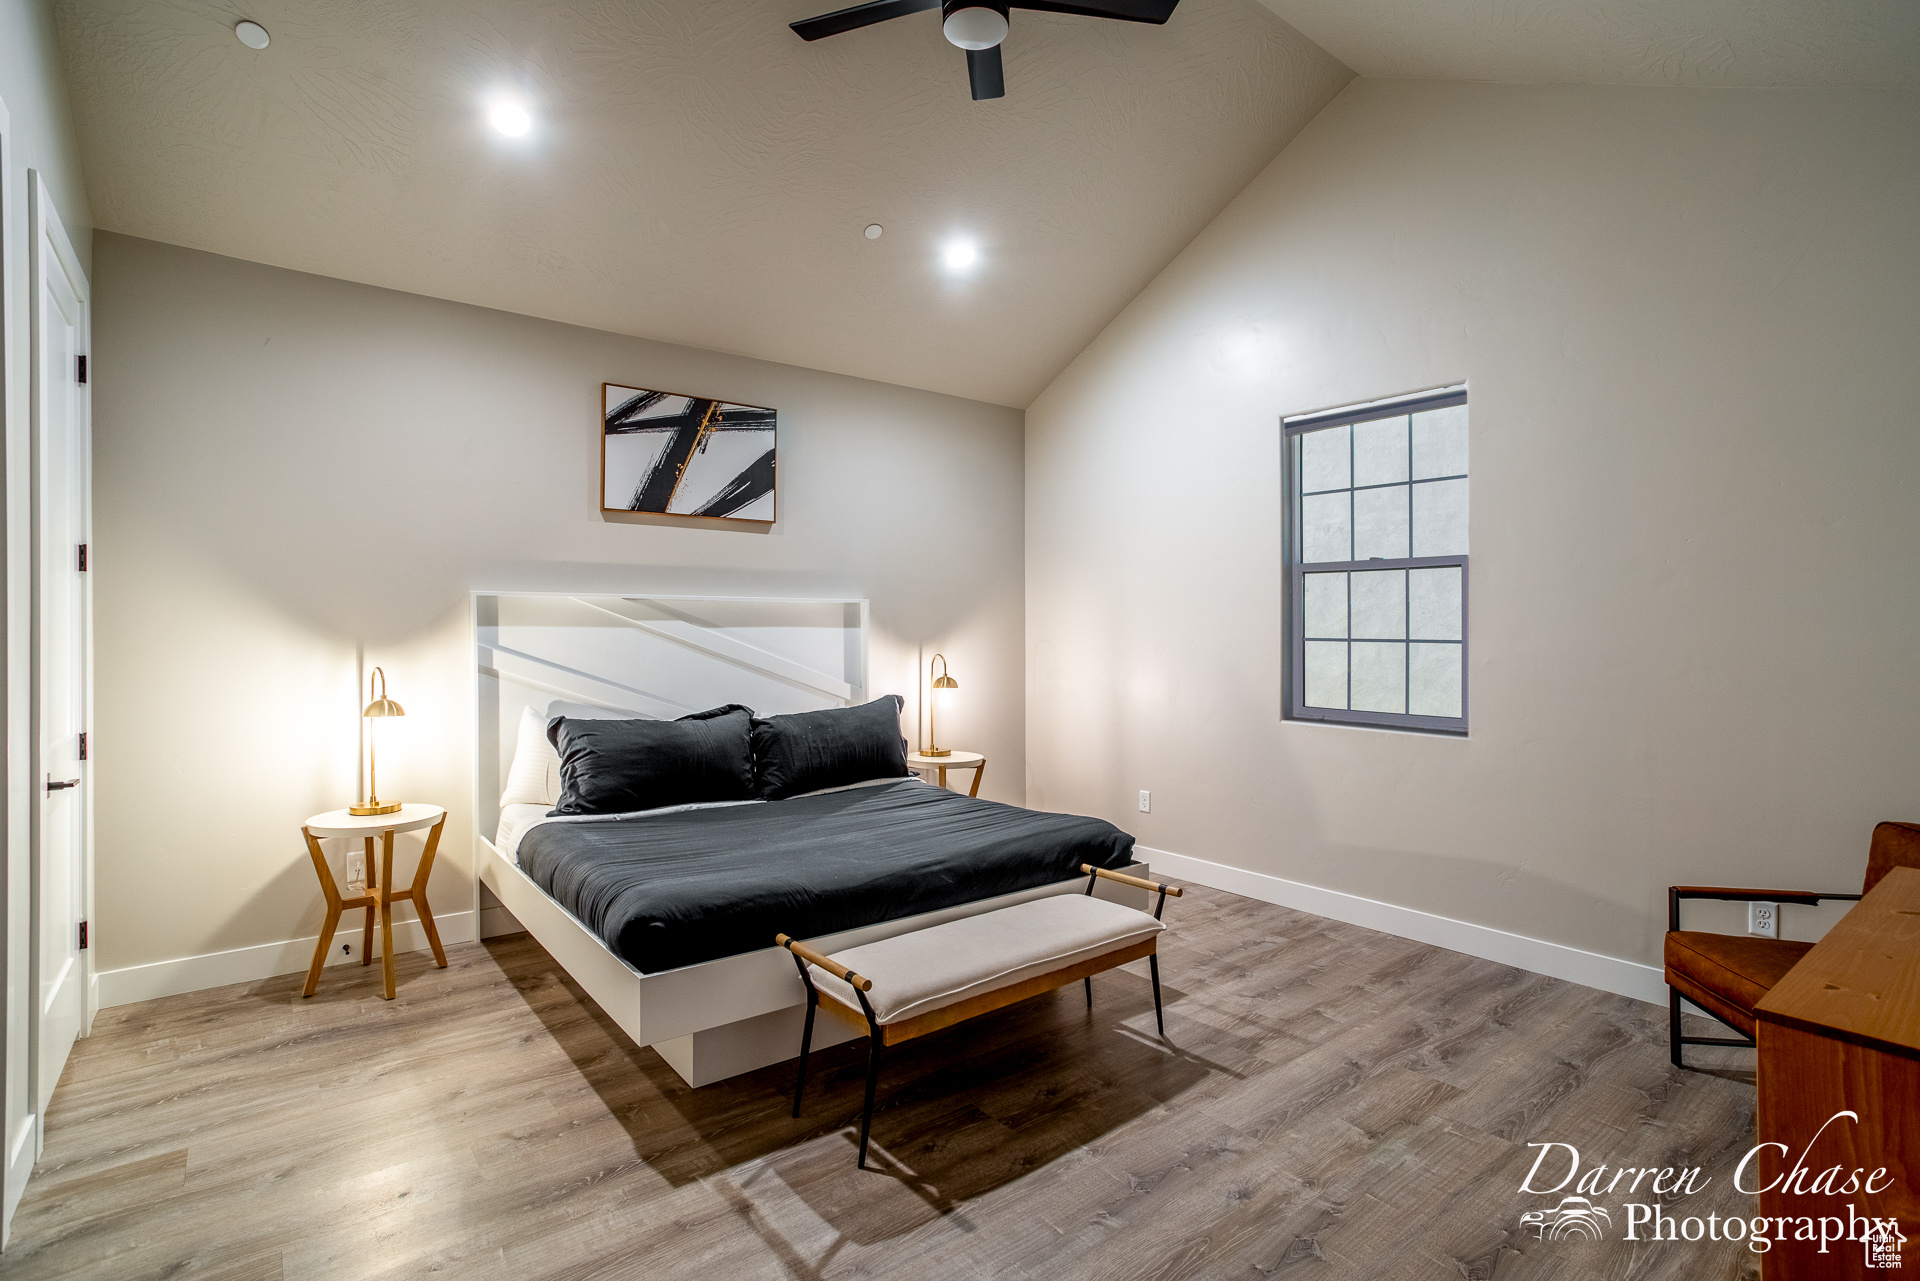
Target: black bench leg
x: 806, y: 1044
x: 1153, y: 963
x: 873, y: 1079
x: 1673, y: 1027
x: 1089, y: 982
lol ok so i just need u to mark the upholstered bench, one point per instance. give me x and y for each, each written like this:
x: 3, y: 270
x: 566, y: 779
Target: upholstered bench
x: 917, y: 983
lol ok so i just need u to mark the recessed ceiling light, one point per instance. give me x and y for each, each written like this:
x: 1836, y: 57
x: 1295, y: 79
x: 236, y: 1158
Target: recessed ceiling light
x: 510, y: 118
x: 251, y: 34
x: 873, y: 231
x: 959, y: 255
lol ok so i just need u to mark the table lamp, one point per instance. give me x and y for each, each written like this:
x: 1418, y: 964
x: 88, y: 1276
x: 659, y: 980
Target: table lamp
x: 941, y: 684
x: 381, y: 706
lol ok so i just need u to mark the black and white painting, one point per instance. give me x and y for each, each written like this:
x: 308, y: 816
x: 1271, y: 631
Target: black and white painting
x: 677, y: 455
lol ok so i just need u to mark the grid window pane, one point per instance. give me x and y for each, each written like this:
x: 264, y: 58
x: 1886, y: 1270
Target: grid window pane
x: 1433, y: 674
x: 1380, y: 523
x: 1326, y: 604
x: 1440, y: 442
x: 1440, y: 518
x: 1325, y: 529
x: 1380, y: 604
x: 1433, y: 603
x: 1379, y: 676
x: 1382, y: 642
x: 1324, y: 459
x: 1380, y: 451
x: 1326, y: 674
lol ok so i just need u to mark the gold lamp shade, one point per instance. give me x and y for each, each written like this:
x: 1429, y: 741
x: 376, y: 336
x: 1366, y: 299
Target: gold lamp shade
x: 381, y: 706
x: 940, y: 682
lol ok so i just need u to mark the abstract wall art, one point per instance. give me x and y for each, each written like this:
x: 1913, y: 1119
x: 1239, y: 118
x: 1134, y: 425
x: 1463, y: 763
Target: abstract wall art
x: 676, y: 455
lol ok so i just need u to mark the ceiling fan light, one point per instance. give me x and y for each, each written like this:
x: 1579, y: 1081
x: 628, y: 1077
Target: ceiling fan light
x: 975, y: 28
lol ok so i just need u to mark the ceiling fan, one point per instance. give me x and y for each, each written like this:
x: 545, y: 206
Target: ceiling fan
x: 976, y: 27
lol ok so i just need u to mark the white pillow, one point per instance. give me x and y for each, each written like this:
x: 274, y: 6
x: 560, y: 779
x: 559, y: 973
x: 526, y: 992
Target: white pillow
x: 535, y: 776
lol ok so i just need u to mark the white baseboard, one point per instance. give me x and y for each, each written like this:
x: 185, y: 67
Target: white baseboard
x: 250, y: 964
x: 1608, y: 973
x: 292, y: 956
x: 495, y: 921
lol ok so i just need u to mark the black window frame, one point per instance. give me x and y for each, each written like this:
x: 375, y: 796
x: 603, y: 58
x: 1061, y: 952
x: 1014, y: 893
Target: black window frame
x: 1294, y: 696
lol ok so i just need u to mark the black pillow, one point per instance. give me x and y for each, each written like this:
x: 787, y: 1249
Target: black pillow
x: 807, y: 751
x: 613, y: 767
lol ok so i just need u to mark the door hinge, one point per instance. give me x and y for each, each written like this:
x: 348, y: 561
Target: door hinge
x: 83, y: 746
x: 83, y: 558
x: 83, y: 369
x: 83, y: 936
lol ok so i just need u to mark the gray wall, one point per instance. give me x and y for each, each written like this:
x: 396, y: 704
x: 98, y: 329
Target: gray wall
x: 289, y: 467
x: 1691, y: 321
x: 34, y: 89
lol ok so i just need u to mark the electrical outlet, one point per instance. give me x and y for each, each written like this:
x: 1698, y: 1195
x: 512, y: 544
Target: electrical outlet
x: 1146, y: 802
x: 1764, y: 919
x: 356, y: 873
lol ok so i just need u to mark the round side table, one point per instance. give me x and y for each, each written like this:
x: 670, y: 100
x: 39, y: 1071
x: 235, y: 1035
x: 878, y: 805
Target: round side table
x: 380, y: 896
x: 953, y: 760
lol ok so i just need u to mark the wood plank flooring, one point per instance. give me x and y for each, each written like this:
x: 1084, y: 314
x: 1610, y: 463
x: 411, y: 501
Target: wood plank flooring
x: 1335, y: 1103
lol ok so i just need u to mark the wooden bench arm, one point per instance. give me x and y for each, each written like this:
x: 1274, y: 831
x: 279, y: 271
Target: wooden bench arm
x: 1173, y: 891
x: 1677, y: 892
x: 824, y: 961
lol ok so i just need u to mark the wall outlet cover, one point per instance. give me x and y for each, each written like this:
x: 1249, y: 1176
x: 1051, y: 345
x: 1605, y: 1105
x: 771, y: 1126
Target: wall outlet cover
x: 1764, y: 919
x: 1146, y: 802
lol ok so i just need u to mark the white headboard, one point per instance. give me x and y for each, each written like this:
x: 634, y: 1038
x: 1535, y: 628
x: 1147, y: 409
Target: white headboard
x: 653, y: 656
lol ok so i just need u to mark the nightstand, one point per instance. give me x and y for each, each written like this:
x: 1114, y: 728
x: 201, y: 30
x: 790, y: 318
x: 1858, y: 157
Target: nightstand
x: 380, y: 896
x: 954, y: 760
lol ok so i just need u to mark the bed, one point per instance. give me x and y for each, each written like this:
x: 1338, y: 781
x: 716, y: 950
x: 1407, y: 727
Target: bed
x: 666, y: 917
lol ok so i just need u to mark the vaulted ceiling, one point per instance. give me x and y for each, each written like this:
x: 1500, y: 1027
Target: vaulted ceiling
x: 1634, y: 42
x: 696, y: 172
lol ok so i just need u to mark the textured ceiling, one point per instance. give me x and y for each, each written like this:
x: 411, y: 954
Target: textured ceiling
x: 1640, y: 42
x: 698, y: 173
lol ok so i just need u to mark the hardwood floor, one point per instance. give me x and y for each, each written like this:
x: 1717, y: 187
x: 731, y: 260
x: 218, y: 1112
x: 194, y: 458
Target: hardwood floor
x: 1335, y: 1103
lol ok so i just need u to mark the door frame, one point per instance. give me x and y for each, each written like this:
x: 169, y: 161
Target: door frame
x: 21, y: 1124
x: 48, y: 237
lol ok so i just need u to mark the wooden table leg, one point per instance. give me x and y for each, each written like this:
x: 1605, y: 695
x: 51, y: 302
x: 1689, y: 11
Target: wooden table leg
x: 332, y: 893
x: 385, y: 903
x: 978, y: 770
x: 943, y: 776
x: 419, y: 894
x: 366, y: 931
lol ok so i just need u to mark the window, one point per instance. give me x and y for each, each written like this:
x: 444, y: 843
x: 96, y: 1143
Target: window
x: 1377, y: 563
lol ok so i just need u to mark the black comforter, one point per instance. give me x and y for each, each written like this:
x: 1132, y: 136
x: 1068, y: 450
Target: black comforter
x: 673, y: 889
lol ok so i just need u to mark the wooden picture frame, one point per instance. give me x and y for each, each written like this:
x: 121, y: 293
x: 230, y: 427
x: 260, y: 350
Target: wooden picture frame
x: 673, y: 456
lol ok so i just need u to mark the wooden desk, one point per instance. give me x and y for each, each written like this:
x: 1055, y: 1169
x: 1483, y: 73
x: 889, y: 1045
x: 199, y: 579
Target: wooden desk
x: 1842, y: 1031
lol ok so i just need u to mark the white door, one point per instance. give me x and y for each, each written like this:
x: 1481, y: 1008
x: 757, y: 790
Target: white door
x: 61, y: 617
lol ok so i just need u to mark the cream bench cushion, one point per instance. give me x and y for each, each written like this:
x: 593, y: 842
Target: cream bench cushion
x: 942, y: 965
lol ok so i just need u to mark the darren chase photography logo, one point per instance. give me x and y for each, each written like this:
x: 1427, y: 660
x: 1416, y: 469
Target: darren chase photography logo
x: 1644, y: 1194
x: 1574, y: 1217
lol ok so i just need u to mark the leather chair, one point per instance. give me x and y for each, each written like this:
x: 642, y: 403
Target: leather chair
x: 1727, y: 974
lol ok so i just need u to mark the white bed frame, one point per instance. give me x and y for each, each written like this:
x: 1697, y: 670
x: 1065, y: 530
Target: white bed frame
x: 664, y: 656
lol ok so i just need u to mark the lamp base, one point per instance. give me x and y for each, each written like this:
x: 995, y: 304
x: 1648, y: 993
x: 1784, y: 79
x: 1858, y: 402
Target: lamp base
x: 936, y: 751
x: 362, y: 811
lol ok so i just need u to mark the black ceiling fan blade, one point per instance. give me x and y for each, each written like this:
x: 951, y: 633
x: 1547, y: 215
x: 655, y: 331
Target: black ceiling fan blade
x: 1154, y: 11
x: 983, y: 73
x: 860, y: 15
